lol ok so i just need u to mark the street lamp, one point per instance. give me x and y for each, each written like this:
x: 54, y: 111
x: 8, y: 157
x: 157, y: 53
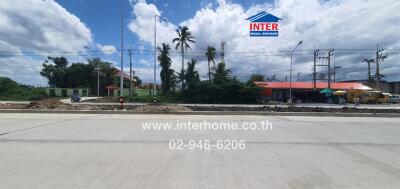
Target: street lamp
x: 97, y: 69
x: 155, y: 54
x: 290, y: 76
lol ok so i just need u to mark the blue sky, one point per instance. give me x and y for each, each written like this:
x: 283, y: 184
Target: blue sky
x: 34, y: 29
x: 104, y: 19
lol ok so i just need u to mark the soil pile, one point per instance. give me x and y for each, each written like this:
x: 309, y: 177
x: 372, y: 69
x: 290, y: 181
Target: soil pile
x: 50, y: 104
x: 161, y: 108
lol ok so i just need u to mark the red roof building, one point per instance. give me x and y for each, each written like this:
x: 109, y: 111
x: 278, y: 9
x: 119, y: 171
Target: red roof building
x: 118, y: 74
x: 305, y: 86
x: 310, y: 85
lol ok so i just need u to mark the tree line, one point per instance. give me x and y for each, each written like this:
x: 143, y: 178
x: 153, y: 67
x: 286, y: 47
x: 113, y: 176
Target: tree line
x: 11, y: 90
x: 220, y: 87
x: 61, y: 74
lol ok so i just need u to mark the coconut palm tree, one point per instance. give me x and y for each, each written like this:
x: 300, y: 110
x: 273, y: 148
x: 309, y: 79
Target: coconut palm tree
x: 210, y: 57
x: 221, y: 74
x: 191, y: 75
x: 166, y: 73
x: 184, y: 36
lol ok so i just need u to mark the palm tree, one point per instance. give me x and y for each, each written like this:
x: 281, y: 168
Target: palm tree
x: 184, y: 36
x: 191, y: 75
x: 166, y: 73
x: 210, y: 57
x: 221, y: 74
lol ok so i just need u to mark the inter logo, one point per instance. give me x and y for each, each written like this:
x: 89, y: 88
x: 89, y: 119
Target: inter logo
x: 264, y: 24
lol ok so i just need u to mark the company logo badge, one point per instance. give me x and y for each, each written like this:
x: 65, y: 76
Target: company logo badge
x: 264, y: 24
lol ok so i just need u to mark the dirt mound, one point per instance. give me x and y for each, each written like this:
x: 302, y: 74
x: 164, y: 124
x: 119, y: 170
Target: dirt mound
x: 161, y: 108
x: 49, y: 104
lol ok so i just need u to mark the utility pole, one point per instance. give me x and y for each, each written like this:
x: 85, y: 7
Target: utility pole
x: 122, y: 50
x: 369, y: 61
x: 379, y: 57
x: 315, y: 69
x: 330, y: 53
x: 377, y: 67
x: 130, y: 71
x: 98, y: 81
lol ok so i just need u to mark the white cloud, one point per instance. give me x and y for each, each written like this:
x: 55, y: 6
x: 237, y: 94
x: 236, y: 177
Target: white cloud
x: 339, y: 24
x: 107, y: 49
x: 22, y: 69
x: 143, y: 23
x: 43, y: 27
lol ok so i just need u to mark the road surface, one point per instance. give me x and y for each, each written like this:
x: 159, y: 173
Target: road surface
x: 114, y: 151
x: 310, y: 105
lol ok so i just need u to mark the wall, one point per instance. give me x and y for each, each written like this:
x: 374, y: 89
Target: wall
x: 67, y: 92
x: 139, y: 92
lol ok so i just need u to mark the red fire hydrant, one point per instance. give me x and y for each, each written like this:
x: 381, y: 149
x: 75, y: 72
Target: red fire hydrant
x: 121, y: 103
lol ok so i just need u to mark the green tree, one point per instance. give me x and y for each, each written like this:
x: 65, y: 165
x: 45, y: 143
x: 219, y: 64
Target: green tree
x: 192, y: 77
x: 255, y: 78
x: 6, y: 85
x: 166, y: 74
x: 59, y: 74
x: 223, y: 89
x: 54, y: 69
x: 77, y: 75
x: 107, y: 75
x: 210, y: 57
x: 184, y: 36
x: 221, y: 74
x: 137, y: 80
x: 11, y: 90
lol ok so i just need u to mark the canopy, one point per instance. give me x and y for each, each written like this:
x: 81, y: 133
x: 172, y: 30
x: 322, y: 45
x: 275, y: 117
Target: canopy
x: 326, y: 91
x: 339, y: 93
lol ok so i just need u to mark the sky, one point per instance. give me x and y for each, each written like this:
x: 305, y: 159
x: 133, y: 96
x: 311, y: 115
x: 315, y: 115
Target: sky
x: 31, y: 30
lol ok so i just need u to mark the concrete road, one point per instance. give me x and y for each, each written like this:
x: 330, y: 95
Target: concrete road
x: 322, y: 105
x: 114, y: 151
x: 312, y: 105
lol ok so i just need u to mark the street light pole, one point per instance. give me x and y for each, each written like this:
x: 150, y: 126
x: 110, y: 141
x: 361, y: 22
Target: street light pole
x: 122, y: 49
x: 130, y: 71
x: 155, y: 54
x: 290, y: 76
x: 155, y: 58
x: 97, y: 69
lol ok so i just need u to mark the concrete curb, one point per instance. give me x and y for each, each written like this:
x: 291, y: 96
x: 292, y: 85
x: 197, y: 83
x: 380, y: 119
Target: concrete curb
x: 260, y: 113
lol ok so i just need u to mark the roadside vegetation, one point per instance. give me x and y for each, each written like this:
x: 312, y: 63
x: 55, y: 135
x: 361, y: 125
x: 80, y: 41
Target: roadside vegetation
x: 221, y: 87
x: 61, y: 74
x: 184, y: 86
x: 13, y: 91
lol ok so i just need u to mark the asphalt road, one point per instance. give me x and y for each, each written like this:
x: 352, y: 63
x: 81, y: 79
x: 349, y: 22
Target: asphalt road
x: 113, y: 151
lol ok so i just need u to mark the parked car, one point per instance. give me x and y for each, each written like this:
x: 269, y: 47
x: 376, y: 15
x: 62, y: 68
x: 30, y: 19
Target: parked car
x: 394, y: 99
x: 75, y: 98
